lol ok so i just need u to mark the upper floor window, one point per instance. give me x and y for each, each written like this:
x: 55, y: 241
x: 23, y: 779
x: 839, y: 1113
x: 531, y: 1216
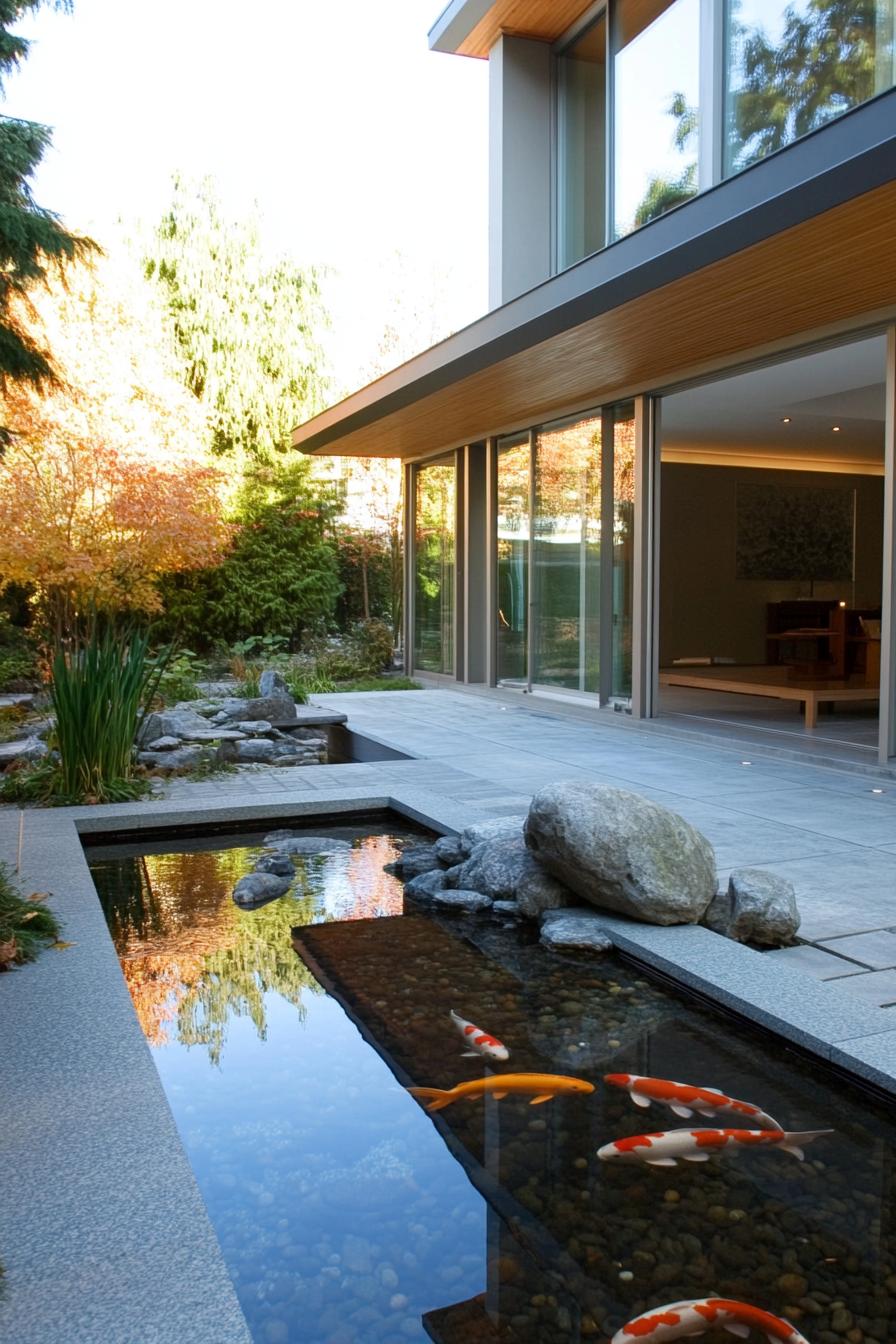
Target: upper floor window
x: 582, y: 145
x: 656, y: 94
x: 659, y: 99
x: 789, y: 68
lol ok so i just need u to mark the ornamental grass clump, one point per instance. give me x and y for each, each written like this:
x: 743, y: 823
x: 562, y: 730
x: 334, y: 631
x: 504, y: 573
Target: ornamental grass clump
x: 99, y: 689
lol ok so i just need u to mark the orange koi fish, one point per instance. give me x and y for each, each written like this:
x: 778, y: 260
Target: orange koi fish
x: 479, y: 1041
x: 698, y: 1145
x: 540, y: 1086
x: 680, y: 1319
x: 684, y: 1099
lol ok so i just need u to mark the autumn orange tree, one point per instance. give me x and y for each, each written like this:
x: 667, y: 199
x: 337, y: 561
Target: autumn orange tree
x: 106, y: 485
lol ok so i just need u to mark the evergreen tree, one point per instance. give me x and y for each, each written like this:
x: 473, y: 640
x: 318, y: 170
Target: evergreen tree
x: 32, y: 240
x: 245, y: 327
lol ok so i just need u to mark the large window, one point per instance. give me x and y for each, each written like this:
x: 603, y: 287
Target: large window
x: 582, y: 145
x: 513, y: 558
x: 791, y: 67
x: 566, y: 555
x: 434, y: 543
x: 685, y: 99
x: 656, y: 78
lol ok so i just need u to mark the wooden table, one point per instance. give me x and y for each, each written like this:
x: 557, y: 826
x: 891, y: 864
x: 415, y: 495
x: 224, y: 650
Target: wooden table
x: 773, y: 682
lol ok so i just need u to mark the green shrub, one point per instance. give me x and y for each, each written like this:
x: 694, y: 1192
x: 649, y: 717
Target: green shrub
x: 178, y: 674
x: 379, y: 684
x: 25, y: 925
x: 280, y: 574
x: 373, y: 642
x: 19, y: 663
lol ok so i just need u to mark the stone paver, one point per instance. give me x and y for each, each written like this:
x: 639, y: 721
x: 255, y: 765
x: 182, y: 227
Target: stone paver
x: 877, y: 988
x: 877, y: 950
x: 815, y: 961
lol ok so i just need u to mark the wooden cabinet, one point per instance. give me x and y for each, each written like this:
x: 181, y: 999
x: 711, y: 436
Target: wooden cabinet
x: 819, y: 639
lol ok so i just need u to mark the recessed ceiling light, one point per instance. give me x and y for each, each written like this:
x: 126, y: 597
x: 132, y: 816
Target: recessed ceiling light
x: 785, y: 419
x: 746, y: 762
x: 877, y: 790
x: 835, y: 429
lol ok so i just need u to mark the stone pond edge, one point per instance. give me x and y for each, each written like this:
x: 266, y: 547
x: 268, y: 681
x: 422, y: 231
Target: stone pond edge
x: 101, y: 1195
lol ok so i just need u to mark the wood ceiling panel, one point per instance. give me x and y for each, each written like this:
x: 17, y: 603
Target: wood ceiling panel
x: 545, y: 20
x: 839, y: 266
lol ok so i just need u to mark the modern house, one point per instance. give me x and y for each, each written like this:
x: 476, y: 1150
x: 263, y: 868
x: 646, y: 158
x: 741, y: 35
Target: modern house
x: 659, y: 475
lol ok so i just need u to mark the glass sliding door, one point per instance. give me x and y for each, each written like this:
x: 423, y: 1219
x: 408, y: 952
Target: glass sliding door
x: 656, y: 108
x: 792, y: 65
x: 434, y: 556
x: 582, y: 145
x: 512, y: 607
x: 566, y: 555
x: 623, y: 531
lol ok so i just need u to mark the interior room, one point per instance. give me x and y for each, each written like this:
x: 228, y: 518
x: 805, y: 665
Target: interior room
x: 771, y: 548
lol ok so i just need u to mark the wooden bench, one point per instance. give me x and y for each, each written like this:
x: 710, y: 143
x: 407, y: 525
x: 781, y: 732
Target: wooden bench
x: 772, y: 682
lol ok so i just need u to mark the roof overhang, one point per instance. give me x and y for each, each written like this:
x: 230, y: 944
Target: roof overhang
x: 471, y: 27
x: 800, y: 242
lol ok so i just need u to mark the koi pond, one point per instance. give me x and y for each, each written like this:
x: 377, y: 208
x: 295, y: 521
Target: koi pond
x: 349, y: 1213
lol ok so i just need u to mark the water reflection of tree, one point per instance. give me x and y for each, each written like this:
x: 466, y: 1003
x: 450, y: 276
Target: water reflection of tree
x: 193, y: 961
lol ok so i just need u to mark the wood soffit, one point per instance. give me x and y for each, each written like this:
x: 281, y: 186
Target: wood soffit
x: 836, y: 267
x: 543, y: 20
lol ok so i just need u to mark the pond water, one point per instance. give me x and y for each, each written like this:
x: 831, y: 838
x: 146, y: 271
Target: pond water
x: 348, y: 1214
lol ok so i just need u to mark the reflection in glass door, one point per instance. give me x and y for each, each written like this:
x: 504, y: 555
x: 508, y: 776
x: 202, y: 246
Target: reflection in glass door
x: 434, y: 574
x: 566, y: 555
x: 513, y: 558
x: 623, y: 524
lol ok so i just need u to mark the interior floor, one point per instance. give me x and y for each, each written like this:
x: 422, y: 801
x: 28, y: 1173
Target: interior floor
x: 851, y: 728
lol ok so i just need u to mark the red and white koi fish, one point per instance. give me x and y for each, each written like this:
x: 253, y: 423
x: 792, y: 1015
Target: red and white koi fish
x: 480, y: 1042
x: 698, y: 1145
x: 681, y: 1319
x: 685, y: 1100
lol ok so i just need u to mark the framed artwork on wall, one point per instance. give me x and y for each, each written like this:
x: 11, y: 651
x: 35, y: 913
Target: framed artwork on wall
x: 800, y: 532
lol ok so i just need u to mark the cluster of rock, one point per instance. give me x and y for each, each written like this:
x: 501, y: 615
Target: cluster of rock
x: 582, y: 846
x: 233, y: 730
x: 275, y: 870
x: 27, y: 743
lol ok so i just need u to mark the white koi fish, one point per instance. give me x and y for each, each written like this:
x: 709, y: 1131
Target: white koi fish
x: 698, y: 1145
x: 489, y: 1047
x: 678, y: 1320
x: 685, y: 1100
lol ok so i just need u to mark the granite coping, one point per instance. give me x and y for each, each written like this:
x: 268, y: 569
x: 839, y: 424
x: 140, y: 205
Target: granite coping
x: 103, y: 1231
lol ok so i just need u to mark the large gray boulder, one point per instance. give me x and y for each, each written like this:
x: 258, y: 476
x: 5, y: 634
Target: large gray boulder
x: 425, y: 885
x: 273, y: 708
x: 757, y: 907
x: 281, y: 865
x: 448, y: 850
x: 575, y: 929
x: 467, y: 902
x: 181, y: 758
x: 412, y: 862
x: 22, y: 749
x: 257, y: 888
x: 505, y: 870
x: 622, y: 852
x: 180, y: 723
x: 313, y: 844
x: 496, y: 828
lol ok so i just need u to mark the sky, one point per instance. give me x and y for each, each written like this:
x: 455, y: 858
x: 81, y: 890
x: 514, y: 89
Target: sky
x: 356, y: 141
